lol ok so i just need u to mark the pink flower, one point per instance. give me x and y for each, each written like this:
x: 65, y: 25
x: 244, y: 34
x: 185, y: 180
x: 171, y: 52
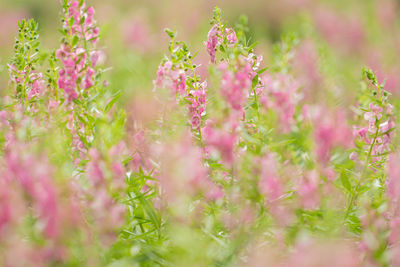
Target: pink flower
x: 331, y: 130
x: 38, y: 85
x: 213, y: 41
x: 308, y: 190
x: 231, y: 36
x: 170, y: 76
x: 33, y: 175
x: 306, y: 68
x: 373, y: 115
x: 197, y: 108
x: 269, y: 183
x: 138, y: 34
x: 87, y: 30
x: 235, y: 86
x: 344, y: 32
x: 220, y: 141
x: 381, y: 135
x: 35, y: 84
x: 183, y: 173
x: 280, y: 95
x: 353, y: 156
x: 94, y: 171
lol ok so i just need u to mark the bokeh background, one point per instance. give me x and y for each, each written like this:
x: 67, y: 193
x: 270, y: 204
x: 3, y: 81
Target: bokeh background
x: 336, y: 38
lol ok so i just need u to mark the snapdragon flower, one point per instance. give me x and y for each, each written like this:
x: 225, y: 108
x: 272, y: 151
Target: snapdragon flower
x: 77, y: 58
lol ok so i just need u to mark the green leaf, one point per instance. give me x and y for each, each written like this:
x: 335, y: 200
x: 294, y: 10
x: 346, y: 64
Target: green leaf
x: 75, y: 40
x: 262, y: 70
x: 112, y: 102
x: 254, y: 82
x: 252, y: 46
x: 345, y: 182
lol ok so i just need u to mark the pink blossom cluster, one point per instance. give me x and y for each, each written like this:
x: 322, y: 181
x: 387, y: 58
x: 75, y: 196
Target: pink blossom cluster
x: 28, y: 189
x: 98, y: 197
x: 78, y: 61
x: 308, y: 190
x: 198, y: 104
x: 35, y: 85
x: 212, y: 42
x: 60, y: 208
x: 255, y: 62
x: 84, y: 25
x: 171, y: 76
x: 222, y: 140
x: 306, y: 68
x: 280, y: 94
x: 235, y: 85
x: 38, y: 185
x: 270, y: 184
x: 373, y: 235
x: 330, y: 131
x: 377, y: 134
x: 216, y: 37
x: 183, y: 173
x: 141, y: 149
x: 74, y: 70
x: 345, y: 32
x: 138, y: 34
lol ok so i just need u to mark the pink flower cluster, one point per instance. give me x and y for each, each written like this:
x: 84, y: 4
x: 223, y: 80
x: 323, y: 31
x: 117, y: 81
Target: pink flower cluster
x: 138, y: 34
x: 75, y: 69
x: 183, y: 172
x: 169, y: 76
x: 198, y: 104
x: 78, y: 62
x: 59, y: 208
x: 212, y: 42
x: 280, y: 94
x: 74, y: 65
x: 173, y: 77
x: 235, y: 86
x: 306, y: 68
x: 344, y: 32
x: 28, y: 190
x: 84, y: 25
x: 222, y: 141
x: 380, y: 134
x: 99, y: 198
x: 330, y: 131
x: 216, y: 37
x: 308, y: 190
x: 269, y: 183
x: 37, y: 184
x: 35, y: 86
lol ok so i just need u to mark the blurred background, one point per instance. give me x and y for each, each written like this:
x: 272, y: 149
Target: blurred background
x: 336, y: 38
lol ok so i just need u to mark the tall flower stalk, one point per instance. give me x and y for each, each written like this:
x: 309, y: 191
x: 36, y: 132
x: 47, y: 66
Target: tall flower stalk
x: 373, y: 141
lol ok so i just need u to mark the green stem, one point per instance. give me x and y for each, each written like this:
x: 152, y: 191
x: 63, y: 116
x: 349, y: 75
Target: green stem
x: 354, y: 195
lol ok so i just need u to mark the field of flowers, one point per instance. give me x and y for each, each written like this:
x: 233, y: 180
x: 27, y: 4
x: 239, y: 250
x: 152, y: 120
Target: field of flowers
x: 256, y: 133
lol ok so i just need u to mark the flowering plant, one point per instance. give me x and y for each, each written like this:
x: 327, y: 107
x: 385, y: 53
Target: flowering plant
x: 233, y: 161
